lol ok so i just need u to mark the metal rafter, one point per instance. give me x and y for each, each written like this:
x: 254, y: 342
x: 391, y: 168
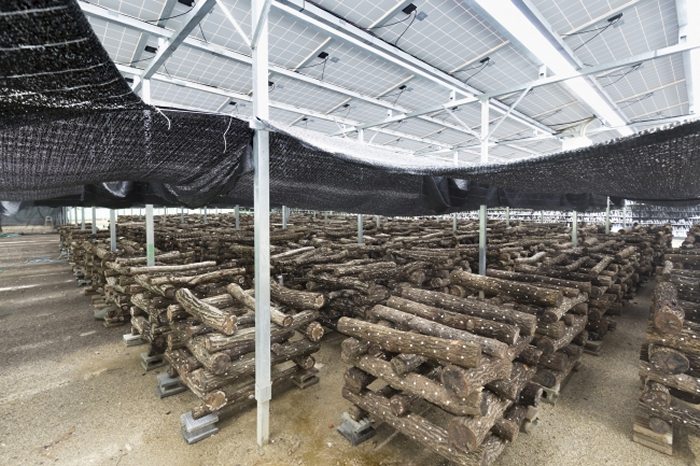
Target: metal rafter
x: 524, y: 26
x: 166, y: 50
x: 165, y: 13
x: 688, y: 12
x: 320, y: 18
x: 278, y: 105
x: 585, y: 71
x: 134, y: 23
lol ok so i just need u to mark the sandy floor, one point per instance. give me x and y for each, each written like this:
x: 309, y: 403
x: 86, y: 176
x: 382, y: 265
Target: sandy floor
x: 72, y: 393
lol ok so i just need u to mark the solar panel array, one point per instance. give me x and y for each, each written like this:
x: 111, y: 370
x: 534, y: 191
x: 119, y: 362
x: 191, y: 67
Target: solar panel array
x: 323, y: 83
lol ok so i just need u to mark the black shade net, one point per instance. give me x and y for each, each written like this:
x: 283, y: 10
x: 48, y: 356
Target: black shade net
x: 73, y: 133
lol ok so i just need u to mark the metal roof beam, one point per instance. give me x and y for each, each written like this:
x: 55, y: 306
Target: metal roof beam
x: 173, y: 42
x: 134, y: 23
x: 522, y: 24
x: 165, y: 13
x: 278, y: 105
x: 585, y: 71
x: 320, y: 18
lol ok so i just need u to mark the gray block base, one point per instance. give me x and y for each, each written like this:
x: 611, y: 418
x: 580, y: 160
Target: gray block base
x: 354, y: 431
x: 168, y: 386
x: 194, y: 430
x: 151, y: 362
x: 305, y: 379
x: 132, y: 340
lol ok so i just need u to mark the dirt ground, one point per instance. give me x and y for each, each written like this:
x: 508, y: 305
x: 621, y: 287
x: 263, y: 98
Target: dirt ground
x: 72, y: 393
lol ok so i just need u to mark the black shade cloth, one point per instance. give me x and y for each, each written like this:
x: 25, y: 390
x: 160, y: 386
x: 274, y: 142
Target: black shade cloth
x: 72, y: 133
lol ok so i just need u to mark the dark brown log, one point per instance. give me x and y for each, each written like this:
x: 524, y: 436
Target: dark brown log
x: 467, y: 433
x: 508, y: 427
x: 401, y: 404
x: 501, y: 331
x: 424, y: 432
x: 526, y: 322
x: 464, y: 354
x: 215, y: 362
x: 428, y: 327
x: 405, y: 363
x: 422, y: 386
x: 276, y: 316
x: 242, y: 342
x: 667, y: 315
x: 530, y: 395
x: 357, y: 380
x: 208, y: 314
x: 510, y: 387
x: 314, y: 331
x: 667, y: 360
x: 656, y: 395
x: 463, y: 382
x: 297, y: 299
x: 517, y: 291
x: 682, y: 382
x: 530, y: 355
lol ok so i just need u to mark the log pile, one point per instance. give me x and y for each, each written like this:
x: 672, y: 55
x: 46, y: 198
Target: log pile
x: 211, y: 345
x: 453, y: 374
x: 670, y: 355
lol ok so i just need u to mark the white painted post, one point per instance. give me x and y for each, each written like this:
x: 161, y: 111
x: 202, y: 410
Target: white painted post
x: 360, y: 230
x: 483, y: 160
x: 507, y: 216
x: 94, y: 220
x: 82, y: 218
x: 237, y: 215
x: 112, y: 230
x: 261, y: 162
x: 574, y: 228
x: 284, y: 217
x: 150, y: 237
x: 607, y: 217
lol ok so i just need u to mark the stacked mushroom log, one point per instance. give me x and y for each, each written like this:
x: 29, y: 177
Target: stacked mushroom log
x: 560, y: 313
x: 453, y: 374
x: 670, y: 355
x: 212, y: 343
x: 154, y: 288
x: 120, y: 285
x: 609, y: 271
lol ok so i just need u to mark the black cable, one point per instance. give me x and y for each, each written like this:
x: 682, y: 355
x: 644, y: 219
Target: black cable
x: 600, y: 31
x: 481, y: 68
x: 202, y: 32
x: 168, y: 17
x: 389, y: 24
x: 619, y: 75
x: 396, y: 42
x: 311, y: 66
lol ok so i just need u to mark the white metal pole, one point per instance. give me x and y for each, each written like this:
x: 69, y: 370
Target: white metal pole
x: 507, y: 216
x: 483, y: 160
x: 182, y: 215
x: 112, y: 230
x: 82, y: 218
x: 237, y: 215
x: 455, y: 160
x: 284, y: 217
x: 261, y: 162
x: 150, y: 237
x: 204, y: 215
x: 360, y: 230
x: 574, y: 228
x: 607, y: 217
x: 377, y: 221
x: 94, y: 220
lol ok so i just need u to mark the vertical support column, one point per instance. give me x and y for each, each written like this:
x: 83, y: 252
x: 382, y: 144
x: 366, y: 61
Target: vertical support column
x: 237, y: 215
x: 507, y: 216
x: 455, y: 160
x: 261, y: 162
x: 82, y: 218
x: 150, y: 237
x: 607, y: 217
x: 284, y: 217
x: 360, y: 230
x: 574, y: 228
x: 377, y: 221
x: 94, y: 220
x: 112, y: 230
x: 483, y: 160
x: 204, y: 215
x: 182, y: 215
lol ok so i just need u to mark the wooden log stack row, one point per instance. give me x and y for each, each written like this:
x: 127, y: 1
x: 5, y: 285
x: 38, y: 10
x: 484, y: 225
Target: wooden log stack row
x: 211, y: 345
x: 450, y: 373
x: 670, y: 355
